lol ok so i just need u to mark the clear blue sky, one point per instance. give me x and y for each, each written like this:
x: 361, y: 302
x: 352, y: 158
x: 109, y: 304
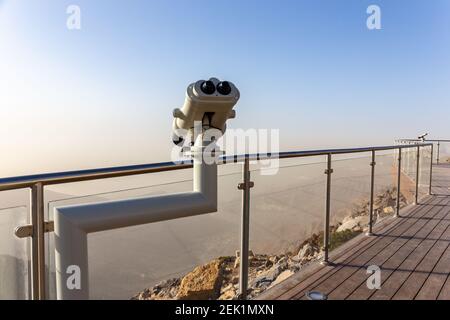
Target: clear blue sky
x: 103, y: 95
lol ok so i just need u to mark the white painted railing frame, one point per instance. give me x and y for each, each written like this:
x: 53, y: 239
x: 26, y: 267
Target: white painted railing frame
x: 74, y: 223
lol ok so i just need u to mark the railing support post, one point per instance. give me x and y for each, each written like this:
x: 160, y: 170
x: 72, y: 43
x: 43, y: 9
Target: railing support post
x: 326, y: 232
x: 245, y: 230
x: 416, y: 201
x: 431, y: 171
x: 438, y: 152
x: 372, y: 187
x: 37, y: 242
x: 399, y: 173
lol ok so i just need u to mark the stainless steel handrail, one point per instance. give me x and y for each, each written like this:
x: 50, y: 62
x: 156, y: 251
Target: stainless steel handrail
x: 46, y: 179
x: 36, y: 184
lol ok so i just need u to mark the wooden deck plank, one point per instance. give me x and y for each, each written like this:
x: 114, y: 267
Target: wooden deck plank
x: 363, y: 292
x: 445, y: 291
x: 419, y: 275
x: 386, y: 260
x: 421, y: 227
x: 289, y: 288
x: 413, y: 253
x: 384, y: 241
x: 301, y: 290
x: 436, y: 280
x: 395, y: 261
x: 412, y: 287
x: 394, y: 281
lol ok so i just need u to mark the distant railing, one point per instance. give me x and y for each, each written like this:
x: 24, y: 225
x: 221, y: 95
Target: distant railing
x: 437, y: 142
x: 37, y: 183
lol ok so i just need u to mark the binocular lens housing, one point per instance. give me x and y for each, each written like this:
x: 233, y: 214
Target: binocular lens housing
x: 224, y: 88
x: 208, y: 87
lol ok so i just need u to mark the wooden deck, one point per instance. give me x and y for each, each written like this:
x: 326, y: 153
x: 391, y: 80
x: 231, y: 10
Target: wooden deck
x: 413, y: 253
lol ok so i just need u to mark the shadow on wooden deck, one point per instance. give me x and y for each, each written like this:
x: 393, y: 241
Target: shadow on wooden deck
x: 412, y: 252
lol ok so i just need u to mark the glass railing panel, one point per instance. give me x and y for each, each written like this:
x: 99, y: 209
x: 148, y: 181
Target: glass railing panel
x: 287, y: 213
x: 350, y: 193
x: 15, y: 271
x: 424, y: 171
x: 444, y: 152
x: 150, y: 261
x: 408, y: 177
x: 411, y: 163
x: 385, y: 191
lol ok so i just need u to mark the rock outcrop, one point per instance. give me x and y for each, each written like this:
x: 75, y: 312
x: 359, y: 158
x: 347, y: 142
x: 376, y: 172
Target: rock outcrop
x: 203, y: 283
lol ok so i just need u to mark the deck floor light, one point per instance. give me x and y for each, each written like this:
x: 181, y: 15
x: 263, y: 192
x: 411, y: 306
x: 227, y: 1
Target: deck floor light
x: 316, y: 295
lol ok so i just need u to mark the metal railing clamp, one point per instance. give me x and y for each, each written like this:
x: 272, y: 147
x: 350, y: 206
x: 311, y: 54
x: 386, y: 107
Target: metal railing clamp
x: 27, y: 230
x: 243, y: 186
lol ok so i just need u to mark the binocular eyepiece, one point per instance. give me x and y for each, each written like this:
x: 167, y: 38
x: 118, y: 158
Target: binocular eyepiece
x: 208, y: 87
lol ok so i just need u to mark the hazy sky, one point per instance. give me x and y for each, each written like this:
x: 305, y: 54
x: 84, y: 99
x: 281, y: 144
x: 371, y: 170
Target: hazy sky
x: 103, y: 95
